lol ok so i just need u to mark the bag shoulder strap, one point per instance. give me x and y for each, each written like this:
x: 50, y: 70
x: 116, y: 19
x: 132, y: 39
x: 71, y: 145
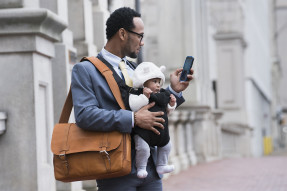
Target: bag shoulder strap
x: 108, y: 74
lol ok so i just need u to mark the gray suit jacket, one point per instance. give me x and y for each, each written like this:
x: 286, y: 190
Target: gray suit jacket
x: 95, y: 106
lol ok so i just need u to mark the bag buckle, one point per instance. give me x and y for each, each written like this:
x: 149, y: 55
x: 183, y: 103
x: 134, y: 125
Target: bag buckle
x: 65, y: 163
x: 62, y: 156
x: 105, y: 155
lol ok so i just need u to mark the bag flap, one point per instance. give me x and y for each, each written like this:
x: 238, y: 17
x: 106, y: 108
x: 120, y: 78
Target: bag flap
x: 68, y: 138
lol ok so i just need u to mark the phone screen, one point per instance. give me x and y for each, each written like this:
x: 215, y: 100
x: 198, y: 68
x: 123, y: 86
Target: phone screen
x: 186, y: 68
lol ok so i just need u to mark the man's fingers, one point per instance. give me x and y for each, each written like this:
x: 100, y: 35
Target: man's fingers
x: 158, y: 113
x: 155, y: 131
x: 176, y: 72
x: 160, y: 119
x: 156, y: 124
x: 189, y: 77
x: 191, y: 71
x: 148, y: 120
x: 149, y: 106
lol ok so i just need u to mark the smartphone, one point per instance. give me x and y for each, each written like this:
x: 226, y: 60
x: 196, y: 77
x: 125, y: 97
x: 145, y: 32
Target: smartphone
x: 186, y: 68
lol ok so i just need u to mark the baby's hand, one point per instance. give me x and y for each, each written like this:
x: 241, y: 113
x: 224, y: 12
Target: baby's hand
x: 147, y: 92
x: 172, y: 100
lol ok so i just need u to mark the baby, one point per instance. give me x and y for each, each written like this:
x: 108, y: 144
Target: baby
x: 148, y: 79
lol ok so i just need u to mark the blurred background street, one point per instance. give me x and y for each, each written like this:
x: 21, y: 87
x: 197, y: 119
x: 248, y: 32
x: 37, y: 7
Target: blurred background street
x: 225, y: 136
x: 234, y: 174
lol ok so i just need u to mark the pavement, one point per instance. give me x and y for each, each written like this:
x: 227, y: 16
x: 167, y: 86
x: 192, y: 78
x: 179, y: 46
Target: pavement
x: 268, y: 173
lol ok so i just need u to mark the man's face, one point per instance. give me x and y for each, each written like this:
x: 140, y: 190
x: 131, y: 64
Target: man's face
x: 135, y: 38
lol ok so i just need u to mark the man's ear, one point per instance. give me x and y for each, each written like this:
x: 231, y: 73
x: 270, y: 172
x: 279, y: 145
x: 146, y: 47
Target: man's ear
x: 122, y: 34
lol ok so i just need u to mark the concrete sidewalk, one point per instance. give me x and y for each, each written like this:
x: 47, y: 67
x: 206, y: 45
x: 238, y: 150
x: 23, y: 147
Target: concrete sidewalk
x: 241, y: 174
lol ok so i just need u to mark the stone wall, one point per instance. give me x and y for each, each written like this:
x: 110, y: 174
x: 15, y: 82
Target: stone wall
x: 229, y: 105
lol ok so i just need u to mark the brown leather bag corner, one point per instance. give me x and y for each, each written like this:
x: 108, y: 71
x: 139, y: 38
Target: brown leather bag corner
x: 87, y: 155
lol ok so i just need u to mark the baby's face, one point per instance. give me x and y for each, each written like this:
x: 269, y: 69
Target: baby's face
x: 153, y: 84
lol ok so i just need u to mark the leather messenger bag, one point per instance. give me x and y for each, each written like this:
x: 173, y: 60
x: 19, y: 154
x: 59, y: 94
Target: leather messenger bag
x: 86, y: 155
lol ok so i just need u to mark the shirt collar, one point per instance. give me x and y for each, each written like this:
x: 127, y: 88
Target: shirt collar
x: 111, y: 58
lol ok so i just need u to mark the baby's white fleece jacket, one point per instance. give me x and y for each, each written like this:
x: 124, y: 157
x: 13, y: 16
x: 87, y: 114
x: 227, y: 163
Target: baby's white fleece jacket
x: 138, y: 101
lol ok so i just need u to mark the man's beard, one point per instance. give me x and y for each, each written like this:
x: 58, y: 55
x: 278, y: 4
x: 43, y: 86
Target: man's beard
x: 128, y: 49
x: 133, y: 55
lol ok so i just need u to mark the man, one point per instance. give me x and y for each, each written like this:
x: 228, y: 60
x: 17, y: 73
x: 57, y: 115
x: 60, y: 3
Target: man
x: 96, y: 108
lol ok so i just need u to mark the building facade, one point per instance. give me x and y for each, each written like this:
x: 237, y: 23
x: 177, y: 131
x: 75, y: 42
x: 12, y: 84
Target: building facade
x: 235, y: 107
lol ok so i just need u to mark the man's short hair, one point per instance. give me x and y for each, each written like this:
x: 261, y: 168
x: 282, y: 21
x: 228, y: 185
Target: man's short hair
x: 120, y: 18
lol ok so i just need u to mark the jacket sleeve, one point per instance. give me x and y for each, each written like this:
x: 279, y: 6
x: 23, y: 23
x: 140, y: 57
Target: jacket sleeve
x: 94, y: 105
x: 179, y: 100
x: 137, y: 101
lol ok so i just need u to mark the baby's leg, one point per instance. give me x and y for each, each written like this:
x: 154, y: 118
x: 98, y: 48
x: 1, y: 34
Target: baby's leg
x: 142, y: 155
x: 162, y: 159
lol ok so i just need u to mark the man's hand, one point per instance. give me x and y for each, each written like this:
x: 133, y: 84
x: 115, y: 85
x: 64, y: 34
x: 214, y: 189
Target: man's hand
x: 175, y: 84
x: 147, y: 120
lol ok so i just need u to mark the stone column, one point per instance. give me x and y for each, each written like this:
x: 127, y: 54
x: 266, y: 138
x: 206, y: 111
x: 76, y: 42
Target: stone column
x: 182, y: 140
x: 216, y: 116
x: 100, y: 16
x: 189, y: 141
x: 200, y: 132
x: 196, y: 38
x: 197, y: 132
x: 113, y: 5
x: 173, y: 157
x: 228, y: 21
x: 81, y: 24
x: 62, y: 63
x: 27, y: 39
